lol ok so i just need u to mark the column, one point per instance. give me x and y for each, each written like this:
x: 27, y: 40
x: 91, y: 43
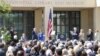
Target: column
x: 86, y: 20
x: 96, y: 18
x: 38, y: 19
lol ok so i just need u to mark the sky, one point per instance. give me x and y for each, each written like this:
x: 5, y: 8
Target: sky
x: 98, y: 2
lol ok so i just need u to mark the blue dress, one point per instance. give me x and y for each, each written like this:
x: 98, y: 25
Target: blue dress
x: 41, y: 36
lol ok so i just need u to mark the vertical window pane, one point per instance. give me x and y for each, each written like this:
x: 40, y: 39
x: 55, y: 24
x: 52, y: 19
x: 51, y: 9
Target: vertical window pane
x: 12, y: 15
x: 54, y: 27
x: 58, y: 29
x: 54, y: 19
x: 77, y: 21
x: 73, y: 21
x: 15, y: 21
x: 77, y: 15
x: 62, y: 19
x: 73, y: 15
x: 1, y: 21
x: 67, y: 19
x: 63, y: 29
x: 58, y: 19
x: 67, y: 29
x: 20, y: 21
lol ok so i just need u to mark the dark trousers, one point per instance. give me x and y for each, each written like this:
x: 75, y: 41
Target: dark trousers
x: 34, y: 37
x: 90, y: 38
x: 75, y: 37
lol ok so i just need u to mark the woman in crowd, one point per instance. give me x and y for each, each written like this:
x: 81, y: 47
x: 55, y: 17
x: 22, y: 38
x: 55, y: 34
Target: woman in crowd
x: 97, y: 35
x: 81, y: 35
x: 23, y: 37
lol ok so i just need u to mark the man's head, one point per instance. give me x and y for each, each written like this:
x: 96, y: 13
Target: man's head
x: 64, y: 52
x: 12, y: 29
x: 90, y: 30
x: 12, y: 43
x: 96, y: 30
x: 23, y: 34
x: 81, y: 30
x: 1, y: 45
x: 75, y: 28
x: 34, y: 29
x: 58, y: 51
x: 20, y: 53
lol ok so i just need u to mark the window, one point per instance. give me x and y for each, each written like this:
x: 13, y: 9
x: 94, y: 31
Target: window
x: 64, y: 21
x: 22, y: 21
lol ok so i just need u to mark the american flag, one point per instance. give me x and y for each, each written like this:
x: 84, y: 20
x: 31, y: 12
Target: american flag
x: 49, y: 28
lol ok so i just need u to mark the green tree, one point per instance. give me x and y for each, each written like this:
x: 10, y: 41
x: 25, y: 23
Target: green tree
x: 5, y: 8
x: 6, y: 35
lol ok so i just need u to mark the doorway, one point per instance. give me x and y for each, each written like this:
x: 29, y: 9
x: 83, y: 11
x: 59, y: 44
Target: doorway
x: 64, y: 21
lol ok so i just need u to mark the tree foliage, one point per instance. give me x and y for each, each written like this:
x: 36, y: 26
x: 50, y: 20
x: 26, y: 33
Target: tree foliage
x: 4, y: 7
x: 6, y: 34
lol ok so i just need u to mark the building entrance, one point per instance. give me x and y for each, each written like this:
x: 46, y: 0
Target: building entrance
x: 64, y: 21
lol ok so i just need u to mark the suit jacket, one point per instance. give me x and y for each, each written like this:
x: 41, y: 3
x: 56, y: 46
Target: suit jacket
x: 75, y: 35
x: 90, y: 36
x: 12, y: 34
x: 34, y: 35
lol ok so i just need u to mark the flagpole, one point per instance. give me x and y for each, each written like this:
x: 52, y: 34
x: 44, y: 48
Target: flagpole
x: 46, y: 17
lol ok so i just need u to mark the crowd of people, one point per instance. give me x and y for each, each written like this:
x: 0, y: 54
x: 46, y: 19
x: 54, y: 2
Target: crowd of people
x: 78, y: 45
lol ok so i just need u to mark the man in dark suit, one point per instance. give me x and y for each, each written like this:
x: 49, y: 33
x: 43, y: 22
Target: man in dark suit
x: 12, y: 33
x: 34, y: 34
x: 75, y: 33
x: 90, y: 35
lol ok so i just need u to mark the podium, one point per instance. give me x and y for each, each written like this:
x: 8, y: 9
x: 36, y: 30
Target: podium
x: 62, y: 37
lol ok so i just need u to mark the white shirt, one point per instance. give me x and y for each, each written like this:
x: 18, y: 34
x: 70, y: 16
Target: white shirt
x: 15, y: 37
x: 48, y: 52
x: 10, y: 48
x: 97, y: 36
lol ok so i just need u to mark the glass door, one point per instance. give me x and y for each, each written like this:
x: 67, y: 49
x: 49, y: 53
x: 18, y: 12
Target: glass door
x: 64, y: 21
